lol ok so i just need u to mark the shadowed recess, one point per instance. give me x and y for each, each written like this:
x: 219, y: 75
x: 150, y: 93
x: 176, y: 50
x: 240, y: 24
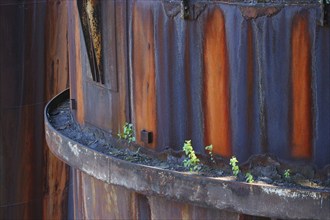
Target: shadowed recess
x: 250, y: 84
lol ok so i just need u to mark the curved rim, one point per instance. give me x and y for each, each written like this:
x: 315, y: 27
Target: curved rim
x: 251, y: 199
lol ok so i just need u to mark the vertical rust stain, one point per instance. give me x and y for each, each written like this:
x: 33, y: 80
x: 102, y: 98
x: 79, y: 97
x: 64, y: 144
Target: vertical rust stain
x: 301, y: 89
x: 144, y: 73
x: 134, y: 205
x: 77, y: 193
x: 75, y: 64
x: 216, y: 86
x: 180, y: 210
x: 122, y: 67
x: 95, y: 199
x: 56, y: 172
x: 185, y: 211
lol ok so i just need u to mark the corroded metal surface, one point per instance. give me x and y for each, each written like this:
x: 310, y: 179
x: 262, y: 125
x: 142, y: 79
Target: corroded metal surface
x: 104, y: 201
x: 33, y: 183
x: 116, y: 202
x: 212, y: 193
x: 247, y: 81
x: 247, y: 77
x: 112, y: 95
x: 55, y: 172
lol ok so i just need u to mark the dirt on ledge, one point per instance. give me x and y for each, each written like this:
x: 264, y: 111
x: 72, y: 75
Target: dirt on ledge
x: 266, y: 169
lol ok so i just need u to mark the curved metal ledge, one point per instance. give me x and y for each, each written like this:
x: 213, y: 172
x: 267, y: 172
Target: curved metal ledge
x: 252, y: 199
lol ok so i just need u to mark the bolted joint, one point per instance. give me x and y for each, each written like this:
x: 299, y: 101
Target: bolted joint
x: 73, y: 104
x: 146, y: 136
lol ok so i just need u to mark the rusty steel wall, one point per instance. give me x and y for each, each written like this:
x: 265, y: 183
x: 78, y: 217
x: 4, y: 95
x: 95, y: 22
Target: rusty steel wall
x: 112, y: 93
x: 247, y: 80
x: 33, y: 68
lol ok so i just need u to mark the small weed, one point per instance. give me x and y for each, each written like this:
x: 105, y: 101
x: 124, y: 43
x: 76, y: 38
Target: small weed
x: 128, y: 133
x: 192, y: 162
x: 249, y: 177
x: 234, y: 167
x: 210, y: 150
x: 287, y: 174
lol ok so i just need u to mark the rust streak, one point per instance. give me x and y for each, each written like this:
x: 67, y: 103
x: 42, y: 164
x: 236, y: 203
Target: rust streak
x: 55, y: 205
x: 216, y: 88
x: 75, y: 62
x: 301, y: 89
x: 144, y: 73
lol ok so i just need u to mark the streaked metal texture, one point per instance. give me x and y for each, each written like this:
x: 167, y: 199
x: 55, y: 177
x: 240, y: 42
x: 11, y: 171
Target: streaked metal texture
x: 56, y: 173
x: 33, y: 68
x: 111, y: 94
x: 246, y: 79
x: 95, y: 199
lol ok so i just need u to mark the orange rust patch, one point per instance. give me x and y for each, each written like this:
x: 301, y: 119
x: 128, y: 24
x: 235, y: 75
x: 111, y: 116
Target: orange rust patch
x: 301, y: 89
x: 76, y: 56
x: 216, y: 86
x: 144, y: 73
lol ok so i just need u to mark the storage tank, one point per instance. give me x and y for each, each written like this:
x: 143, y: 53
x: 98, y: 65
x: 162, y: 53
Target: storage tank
x: 248, y: 77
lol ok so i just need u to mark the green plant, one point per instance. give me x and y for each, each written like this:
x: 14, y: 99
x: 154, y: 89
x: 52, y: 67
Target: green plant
x: 249, y: 177
x: 191, y: 162
x: 234, y: 167
x: 210, y: 150
x: 128, y: 133
x: 287, y: 174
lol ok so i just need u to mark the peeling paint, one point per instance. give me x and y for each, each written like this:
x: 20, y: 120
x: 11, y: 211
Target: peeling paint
x: 286, y: 193
x: 74, y: 149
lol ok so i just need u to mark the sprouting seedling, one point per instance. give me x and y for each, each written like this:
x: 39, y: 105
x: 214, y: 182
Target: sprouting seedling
x: 210, y: 150
x: 287, y: 173
x: 249, y: 177
x: 191, y: 162
x: 234, y: 167
x: 128, y: 133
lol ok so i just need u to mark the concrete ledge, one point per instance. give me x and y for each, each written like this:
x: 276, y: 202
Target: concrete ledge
x: 251, y: 199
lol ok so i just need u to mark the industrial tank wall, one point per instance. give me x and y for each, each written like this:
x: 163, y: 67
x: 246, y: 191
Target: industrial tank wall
x: 33, y: 68
x: 212, y: 79
x: 246, y: 79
